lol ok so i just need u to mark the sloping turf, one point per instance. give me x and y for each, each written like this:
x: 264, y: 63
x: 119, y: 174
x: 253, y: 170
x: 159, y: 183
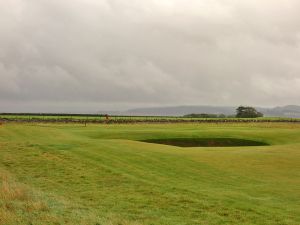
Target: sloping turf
x: 103, y: 174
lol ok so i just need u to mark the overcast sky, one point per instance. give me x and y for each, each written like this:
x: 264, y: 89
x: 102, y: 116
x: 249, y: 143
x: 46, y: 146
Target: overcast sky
x: 90, y: 55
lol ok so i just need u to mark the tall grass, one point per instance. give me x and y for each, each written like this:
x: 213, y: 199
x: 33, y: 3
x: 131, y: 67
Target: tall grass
x: 18, y: 202
x: 19, y: 205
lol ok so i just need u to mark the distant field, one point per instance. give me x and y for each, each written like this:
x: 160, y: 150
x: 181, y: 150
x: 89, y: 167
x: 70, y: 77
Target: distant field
x: 123, y: 119
x: 104, y: 174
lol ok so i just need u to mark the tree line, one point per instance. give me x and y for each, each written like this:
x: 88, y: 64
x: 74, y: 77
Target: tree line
x: 241, y: 112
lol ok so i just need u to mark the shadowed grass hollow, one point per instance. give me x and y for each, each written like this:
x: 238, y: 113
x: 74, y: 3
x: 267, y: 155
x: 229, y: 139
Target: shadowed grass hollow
x: 206, y: 142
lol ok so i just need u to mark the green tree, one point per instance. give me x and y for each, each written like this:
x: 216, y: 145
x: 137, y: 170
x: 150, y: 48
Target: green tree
x: 247, y: 112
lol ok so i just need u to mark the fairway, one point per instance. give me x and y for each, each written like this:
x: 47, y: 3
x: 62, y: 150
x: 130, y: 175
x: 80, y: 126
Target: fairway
x: 106, y: 174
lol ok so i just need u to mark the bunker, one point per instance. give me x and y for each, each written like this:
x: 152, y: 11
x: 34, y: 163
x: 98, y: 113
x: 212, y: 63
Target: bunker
x: 206, y: 142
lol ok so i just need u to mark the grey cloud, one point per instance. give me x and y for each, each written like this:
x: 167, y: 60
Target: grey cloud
x: 60, y: 55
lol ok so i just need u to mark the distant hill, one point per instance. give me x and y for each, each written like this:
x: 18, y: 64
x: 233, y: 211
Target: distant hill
x: 182, y: 110
x: 292, y: 111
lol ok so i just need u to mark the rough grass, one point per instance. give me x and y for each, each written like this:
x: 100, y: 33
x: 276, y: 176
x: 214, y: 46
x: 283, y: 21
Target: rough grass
x: 70, y: 174
x: 17, y: 199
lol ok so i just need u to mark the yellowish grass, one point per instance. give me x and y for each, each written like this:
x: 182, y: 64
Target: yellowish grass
x: 36, y: 206
x: 18, y: 203
x: 16, y: 197
x: 115, y: 220
x: 51, y: 157
x: 10, y: 190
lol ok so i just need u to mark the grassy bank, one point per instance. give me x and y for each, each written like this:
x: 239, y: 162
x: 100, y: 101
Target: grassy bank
x: 103, y: 174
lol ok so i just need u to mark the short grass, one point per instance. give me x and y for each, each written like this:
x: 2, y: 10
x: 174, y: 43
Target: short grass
x: 101, y: 174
